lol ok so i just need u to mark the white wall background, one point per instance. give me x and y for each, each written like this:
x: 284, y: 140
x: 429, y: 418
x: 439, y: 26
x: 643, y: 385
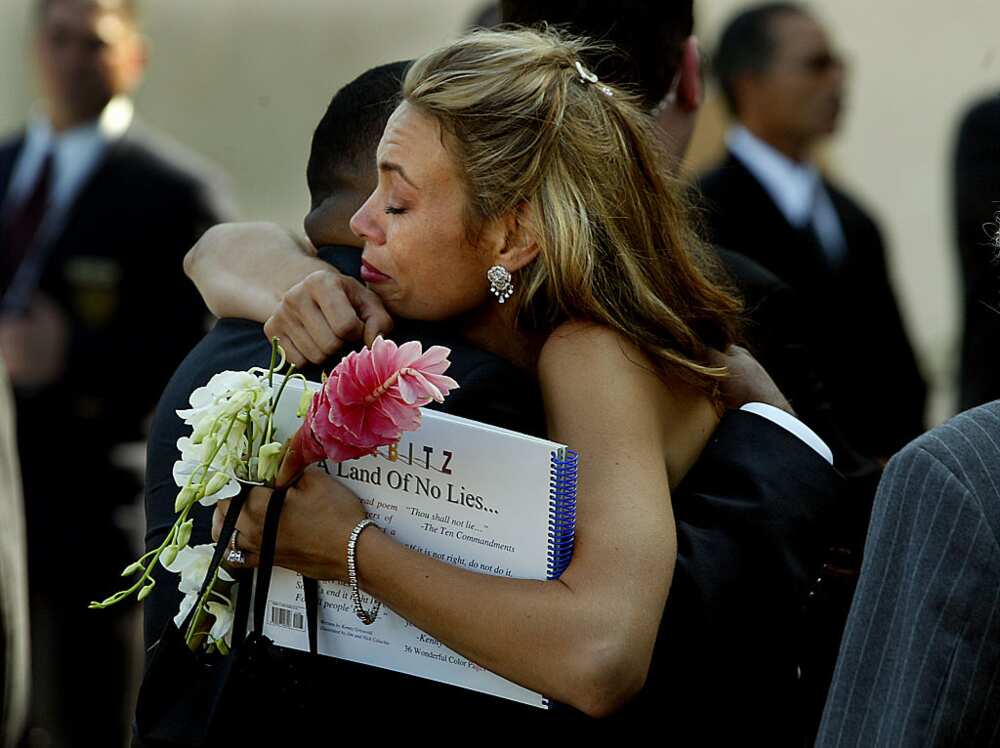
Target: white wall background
x: 245, y: 81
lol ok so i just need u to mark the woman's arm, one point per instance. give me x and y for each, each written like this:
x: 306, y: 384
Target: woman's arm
x: 585, y: 639
x: 243, y: 269
x: 261, y: 271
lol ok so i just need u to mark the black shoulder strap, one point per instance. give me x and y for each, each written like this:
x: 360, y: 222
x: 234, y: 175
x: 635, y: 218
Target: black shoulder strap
x: 266, y: 564
x: 228, y: 526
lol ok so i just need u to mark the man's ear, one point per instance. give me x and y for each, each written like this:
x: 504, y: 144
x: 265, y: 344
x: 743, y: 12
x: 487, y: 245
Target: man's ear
x: 689, y: 90
x: 520, y: 246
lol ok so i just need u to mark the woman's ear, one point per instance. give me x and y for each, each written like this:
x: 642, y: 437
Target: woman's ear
x: 520, y: 246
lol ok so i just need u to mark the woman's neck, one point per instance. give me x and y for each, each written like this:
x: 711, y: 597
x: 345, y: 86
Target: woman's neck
x: 493, y: 329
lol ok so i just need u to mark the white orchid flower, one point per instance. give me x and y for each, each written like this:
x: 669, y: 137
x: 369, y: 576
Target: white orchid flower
x: 222, y: 629
x: 192, y: 564
x: 224, y: 386
x: 221, y: 488
x: 187, y: 603
x: 269, y: 458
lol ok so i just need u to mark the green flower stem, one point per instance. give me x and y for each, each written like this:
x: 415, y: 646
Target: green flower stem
x: 194, y: 628
x: 277, y: 399
x: 171, y: 534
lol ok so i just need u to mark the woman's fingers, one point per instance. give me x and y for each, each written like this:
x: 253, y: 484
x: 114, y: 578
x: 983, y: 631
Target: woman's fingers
x: 295, y: 341
x: 321, y: 312
x: 250, y: 523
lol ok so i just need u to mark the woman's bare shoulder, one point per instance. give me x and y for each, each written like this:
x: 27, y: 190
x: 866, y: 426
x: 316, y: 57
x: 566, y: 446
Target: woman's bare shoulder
x: 591, y: 374
x: 595, y: 348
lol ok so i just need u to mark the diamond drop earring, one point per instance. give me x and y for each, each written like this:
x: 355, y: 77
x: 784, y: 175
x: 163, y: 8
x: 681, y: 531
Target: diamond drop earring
x: 501, y: 282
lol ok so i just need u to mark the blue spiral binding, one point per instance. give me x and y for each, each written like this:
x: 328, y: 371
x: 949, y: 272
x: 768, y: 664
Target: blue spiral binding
x: 562, y: 511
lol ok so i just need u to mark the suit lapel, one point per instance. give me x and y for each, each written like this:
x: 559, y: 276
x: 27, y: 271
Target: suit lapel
x: 8, y: 157
x: 91, y: 192
x: 792, y: 253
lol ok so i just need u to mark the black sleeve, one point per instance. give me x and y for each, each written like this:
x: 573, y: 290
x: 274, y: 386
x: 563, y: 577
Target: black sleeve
x: 750, y: 518
x: 776, y: 333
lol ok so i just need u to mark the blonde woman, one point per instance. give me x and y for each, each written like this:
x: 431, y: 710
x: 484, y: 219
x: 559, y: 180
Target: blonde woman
x: 506, y: 153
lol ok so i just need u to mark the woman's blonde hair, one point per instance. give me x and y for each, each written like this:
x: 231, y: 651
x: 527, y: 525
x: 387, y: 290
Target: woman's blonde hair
x: 616, y: 246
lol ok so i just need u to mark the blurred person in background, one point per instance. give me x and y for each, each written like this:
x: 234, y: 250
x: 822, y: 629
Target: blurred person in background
x: 785, y: 85
x: 14, y: 653
x: 486, y: 16
x: 96, y: 212
x: 976, y: 195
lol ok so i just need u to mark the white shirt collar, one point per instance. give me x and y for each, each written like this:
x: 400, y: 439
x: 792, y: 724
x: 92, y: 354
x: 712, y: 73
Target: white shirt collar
x: 792, y: 186
x: 76, y: 153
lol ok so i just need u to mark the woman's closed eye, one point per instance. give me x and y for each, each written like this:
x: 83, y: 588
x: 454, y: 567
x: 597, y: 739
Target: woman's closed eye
x: 392, y: 210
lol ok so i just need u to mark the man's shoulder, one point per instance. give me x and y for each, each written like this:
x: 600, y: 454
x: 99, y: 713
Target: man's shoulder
x: 729, y: 192
x: 230, y: 344
x: 148, y: 154
x: 720, y: 179
x: 10, y: 146
x: 982, y: 114
x: 967, y: 445
x: 11, y: 142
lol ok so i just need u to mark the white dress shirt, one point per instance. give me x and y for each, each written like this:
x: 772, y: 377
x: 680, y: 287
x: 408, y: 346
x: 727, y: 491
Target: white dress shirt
x: 796, y: 188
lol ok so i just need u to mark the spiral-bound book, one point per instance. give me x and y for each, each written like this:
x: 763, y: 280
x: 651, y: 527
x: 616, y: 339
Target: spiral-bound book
x: 476, y: 496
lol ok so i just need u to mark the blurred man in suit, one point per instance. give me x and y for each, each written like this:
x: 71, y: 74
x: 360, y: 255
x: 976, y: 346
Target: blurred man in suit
x: 95, y: 214
x: 920, y: 660
x: 976, y: 195
x: 784, y: 84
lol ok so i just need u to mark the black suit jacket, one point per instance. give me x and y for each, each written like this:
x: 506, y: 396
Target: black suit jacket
x: 778, y: 333
x: 976, y: 194
x: 115, y: 269
x: 857, y: 335
x: 756, y: 488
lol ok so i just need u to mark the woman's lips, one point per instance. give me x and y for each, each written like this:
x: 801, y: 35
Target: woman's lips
x: 370, y: 275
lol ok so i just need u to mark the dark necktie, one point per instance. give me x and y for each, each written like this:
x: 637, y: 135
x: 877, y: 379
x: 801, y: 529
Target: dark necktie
x: 21, y: 228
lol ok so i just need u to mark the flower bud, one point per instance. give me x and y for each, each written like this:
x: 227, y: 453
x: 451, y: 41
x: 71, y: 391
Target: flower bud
x: 269, y: 457
x: 184, y: 533
x: 216, y: 483
x: 203, y: 429
x: 186, y: 497
x: 304, y: 402
x: 210, y: 444
x: 144, y: 592
x: 132, y: 568
x: 168, y: 555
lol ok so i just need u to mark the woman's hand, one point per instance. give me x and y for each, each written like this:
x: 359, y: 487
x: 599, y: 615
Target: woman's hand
x: 316, y: 520
x: 319, y: 313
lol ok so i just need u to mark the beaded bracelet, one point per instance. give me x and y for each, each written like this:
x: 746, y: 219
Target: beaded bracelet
x: 367, y: 618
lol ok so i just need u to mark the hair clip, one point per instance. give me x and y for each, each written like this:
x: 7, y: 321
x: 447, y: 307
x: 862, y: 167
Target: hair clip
x: 588, y: 77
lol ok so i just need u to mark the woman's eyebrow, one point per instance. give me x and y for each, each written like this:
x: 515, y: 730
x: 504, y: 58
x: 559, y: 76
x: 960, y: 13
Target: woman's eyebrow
x: 390, y: 166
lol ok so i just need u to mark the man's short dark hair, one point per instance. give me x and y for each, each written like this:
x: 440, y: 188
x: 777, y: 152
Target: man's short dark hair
x: 348, y: 134
x: 647, y: 33
x: 747, y: 45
